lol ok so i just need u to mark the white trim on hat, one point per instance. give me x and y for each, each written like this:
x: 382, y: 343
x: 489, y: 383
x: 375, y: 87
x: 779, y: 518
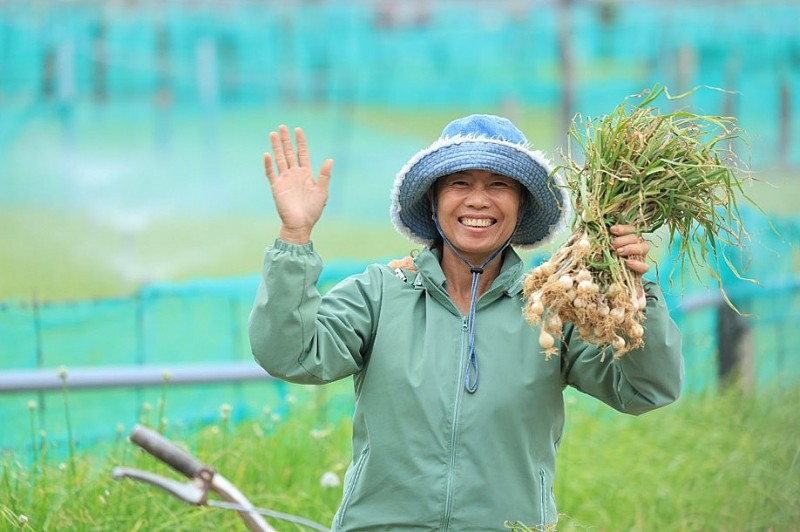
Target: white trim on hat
x: 537, y: 156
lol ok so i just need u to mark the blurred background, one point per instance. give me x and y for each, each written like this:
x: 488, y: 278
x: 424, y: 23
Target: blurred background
x: 134, y: 210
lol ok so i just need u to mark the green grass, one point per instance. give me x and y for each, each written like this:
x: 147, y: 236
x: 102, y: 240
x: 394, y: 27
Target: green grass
x: 727, y: 462
x: 710, y: 462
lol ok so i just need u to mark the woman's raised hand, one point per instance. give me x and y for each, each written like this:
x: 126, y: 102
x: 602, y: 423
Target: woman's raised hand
x: 298, y: 197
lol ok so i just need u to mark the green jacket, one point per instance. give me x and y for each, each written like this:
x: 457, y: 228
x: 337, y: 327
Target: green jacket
x: 427, y: 455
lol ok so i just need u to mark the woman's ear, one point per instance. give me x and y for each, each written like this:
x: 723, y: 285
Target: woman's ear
x: 431, y: 194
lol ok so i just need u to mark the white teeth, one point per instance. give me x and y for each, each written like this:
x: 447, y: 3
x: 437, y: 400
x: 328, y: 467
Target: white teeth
x: 475, y: 222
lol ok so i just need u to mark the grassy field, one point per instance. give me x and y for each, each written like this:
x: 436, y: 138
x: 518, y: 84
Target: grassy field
x: 710, y: 462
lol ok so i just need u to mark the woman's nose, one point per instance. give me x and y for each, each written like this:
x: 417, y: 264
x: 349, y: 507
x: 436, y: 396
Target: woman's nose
x: 477, y: 197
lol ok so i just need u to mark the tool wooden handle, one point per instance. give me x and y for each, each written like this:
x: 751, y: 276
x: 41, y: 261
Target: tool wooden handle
x: 166, y: 451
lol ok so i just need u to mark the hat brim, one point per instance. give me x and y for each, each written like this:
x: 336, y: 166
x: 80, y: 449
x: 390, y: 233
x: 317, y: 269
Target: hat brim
x: 543, y: 215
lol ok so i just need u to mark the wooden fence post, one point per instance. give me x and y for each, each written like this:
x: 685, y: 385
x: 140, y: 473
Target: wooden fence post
x: 735, y: 362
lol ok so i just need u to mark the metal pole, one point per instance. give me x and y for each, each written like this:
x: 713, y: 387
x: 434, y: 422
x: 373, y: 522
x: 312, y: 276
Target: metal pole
x: 128, y: 376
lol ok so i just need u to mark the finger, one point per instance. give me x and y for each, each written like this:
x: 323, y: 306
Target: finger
x: 268, y: 168
x: 622, y: 241
x: 280, y: 159
x: 637, y: 266
x: 639, y: 247
x: 626, y: 235
x: 622, y: 229
x: 302, y: 148
x: 288, y: 149
x: 628, y: 240
x: 325, y: 174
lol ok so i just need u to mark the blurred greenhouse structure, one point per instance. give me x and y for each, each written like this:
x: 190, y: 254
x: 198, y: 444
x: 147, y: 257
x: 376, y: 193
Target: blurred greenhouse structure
x: 124, y: 108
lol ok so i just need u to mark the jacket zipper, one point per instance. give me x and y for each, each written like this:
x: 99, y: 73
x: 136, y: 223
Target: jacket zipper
x: 448, y: 502
x: 544, y: 498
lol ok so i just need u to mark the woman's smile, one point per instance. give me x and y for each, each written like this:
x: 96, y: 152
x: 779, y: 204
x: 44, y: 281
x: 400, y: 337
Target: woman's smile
x: 477, y: 222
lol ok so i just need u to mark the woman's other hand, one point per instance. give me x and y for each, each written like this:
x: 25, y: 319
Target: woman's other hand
x: 628, y: 243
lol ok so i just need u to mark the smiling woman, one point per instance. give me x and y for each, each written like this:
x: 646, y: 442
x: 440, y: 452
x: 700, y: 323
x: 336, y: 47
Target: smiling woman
x: 437, y: 347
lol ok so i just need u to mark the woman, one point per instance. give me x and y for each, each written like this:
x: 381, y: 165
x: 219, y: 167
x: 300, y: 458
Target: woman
x: 458, y: 414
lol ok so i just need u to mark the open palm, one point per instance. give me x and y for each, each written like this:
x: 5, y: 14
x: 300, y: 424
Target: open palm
x: 298, y: 197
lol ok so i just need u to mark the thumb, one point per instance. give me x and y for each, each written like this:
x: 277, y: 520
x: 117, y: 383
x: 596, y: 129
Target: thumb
x: 325, y: 174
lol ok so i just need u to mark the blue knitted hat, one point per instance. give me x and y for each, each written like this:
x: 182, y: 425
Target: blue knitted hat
x: 481, y: 142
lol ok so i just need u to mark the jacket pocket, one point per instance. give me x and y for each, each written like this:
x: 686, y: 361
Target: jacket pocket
x: 351, y: 481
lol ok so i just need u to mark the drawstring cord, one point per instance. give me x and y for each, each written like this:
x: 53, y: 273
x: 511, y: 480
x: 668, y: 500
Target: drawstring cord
x: 471, y: 373
x: 472, y: 363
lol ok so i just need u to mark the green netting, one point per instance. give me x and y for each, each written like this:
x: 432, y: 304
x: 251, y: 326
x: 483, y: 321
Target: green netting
x: 163, y: 325
x: 102, y: 415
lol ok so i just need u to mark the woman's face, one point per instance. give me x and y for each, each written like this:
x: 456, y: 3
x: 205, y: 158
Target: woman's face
x: 477, y: 211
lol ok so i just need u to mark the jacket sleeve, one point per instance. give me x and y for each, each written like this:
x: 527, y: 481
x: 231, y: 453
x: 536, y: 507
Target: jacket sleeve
x: 640, y: 380
x: 300, y: 336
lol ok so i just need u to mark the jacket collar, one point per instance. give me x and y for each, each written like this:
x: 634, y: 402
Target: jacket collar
x: 508, y: 282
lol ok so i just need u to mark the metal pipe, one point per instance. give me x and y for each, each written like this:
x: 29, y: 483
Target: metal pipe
x: 127, y: 376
